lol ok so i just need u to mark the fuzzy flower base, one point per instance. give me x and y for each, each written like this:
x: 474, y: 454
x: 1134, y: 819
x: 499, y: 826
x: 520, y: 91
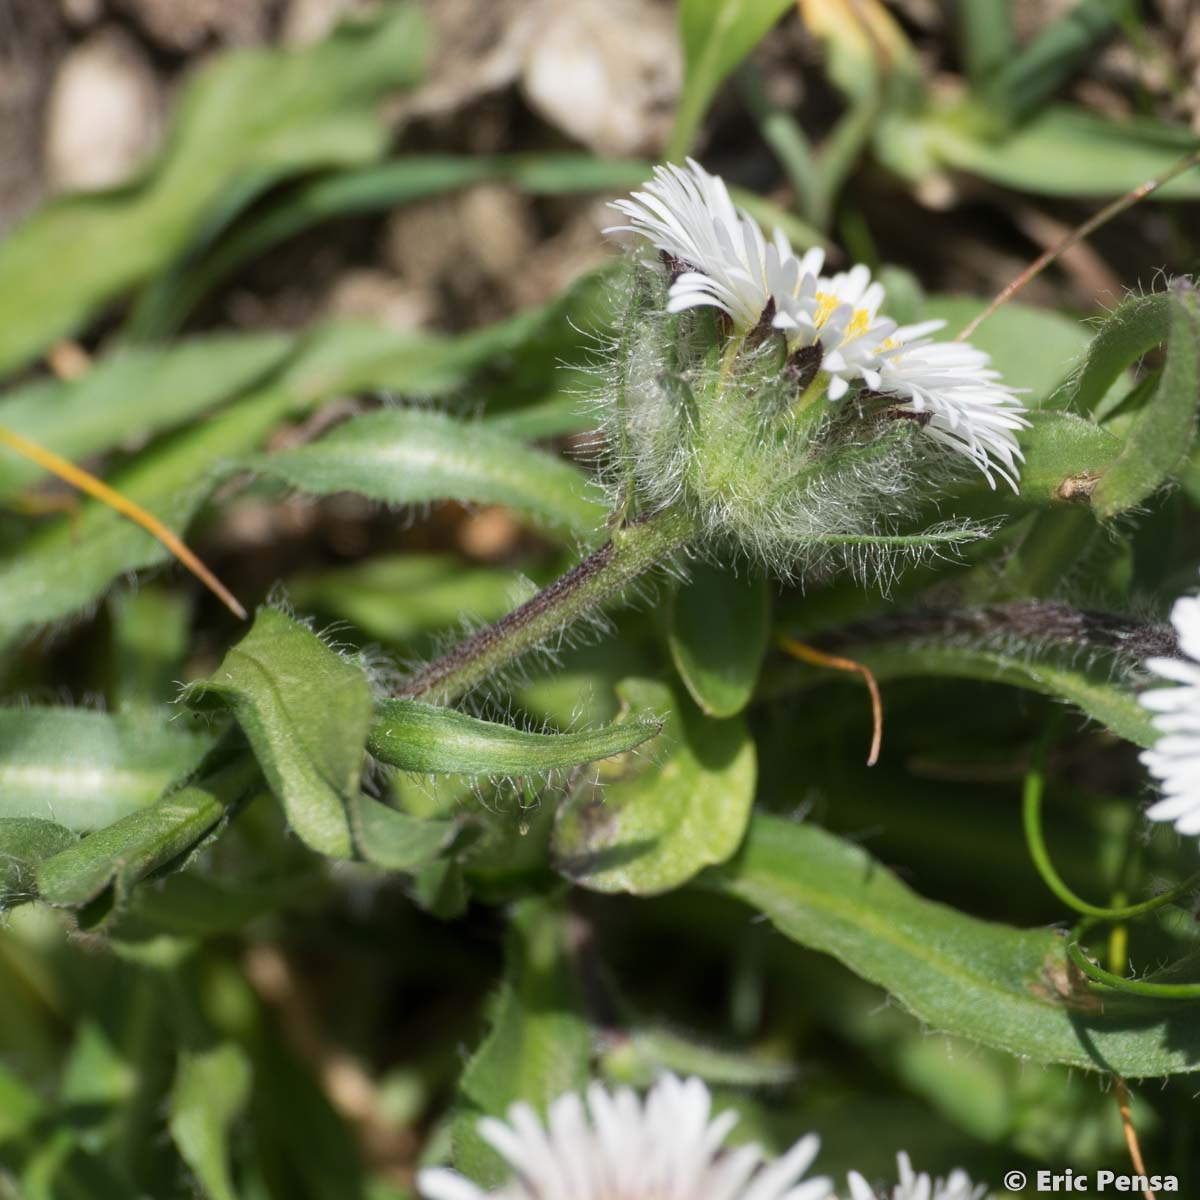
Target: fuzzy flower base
x: 720, y: 259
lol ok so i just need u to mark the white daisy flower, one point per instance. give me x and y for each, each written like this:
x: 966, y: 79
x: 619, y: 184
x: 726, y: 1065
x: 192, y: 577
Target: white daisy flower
x: 969, y: 410
x: 1175, y: 757
x: 918, y: 1187
x: 617, y: 1147
x: 688, y: 214
x: 841, y: 314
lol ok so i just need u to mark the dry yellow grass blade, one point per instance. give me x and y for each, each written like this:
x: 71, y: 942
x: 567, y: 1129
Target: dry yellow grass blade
x: 86, y: 482
x: 818, y: 658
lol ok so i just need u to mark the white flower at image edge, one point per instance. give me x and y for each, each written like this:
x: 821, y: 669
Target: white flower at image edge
x: 1174, y: 759
x: 919, y: 1187
x: 619, y: 1147
x: 950, y: 386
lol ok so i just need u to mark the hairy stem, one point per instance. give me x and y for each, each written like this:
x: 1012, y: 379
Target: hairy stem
x: 633, y: 550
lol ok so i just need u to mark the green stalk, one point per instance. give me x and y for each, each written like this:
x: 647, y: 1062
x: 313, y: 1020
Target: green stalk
x: 633, y: 550
x: 1032, y: 811
x: 1119, y: 983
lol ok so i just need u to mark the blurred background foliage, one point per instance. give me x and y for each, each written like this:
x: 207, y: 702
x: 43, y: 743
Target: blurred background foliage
x: 236, y: 236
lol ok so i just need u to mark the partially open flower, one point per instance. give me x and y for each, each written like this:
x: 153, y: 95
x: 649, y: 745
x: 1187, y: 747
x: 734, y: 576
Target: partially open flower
x: 618, y: 1147
x: 688, y: 215
x: 919, y: 1187
x: 1175, y: 757
x: 969, y: 410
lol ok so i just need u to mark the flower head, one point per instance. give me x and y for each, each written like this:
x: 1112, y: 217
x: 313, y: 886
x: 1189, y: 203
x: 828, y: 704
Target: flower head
x: 617, y: 1147
x: 836, y: 334
x: 1175, y: 758
x: 919, y: 1187
x: 688, y: 215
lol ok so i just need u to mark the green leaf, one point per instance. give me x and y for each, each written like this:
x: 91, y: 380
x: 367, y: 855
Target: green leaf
x: 1064, y: 456
x: 394, y: 840
x: 211, y: 1089
x: 717, y: 35
x: 1075, y: 673
x: 378, y: 187
x: 84, y: 770
x: 1133, y: 328
x: 1060, y: 151
x: 718, y: 624
x: 305, y: 711
x: 986, y: 35
x: 121, y: 854
x: 397, y: 598
x: 248, y: 120
x: 1007, y: 988
x: 428, y: 739
x: 1029, y: 77
x: 151, y: 630
x: 131, y: 394
x: 539, y: 1044
x: 24, y: 842
x: 406, y: 456
x: 1163, y: 430
x: 647, y: 827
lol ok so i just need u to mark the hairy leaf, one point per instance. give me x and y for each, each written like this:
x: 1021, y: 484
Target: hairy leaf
x: 412, y: 457
x: 393, y: 839
x: 85, y: 770
x: 647, y: 827
x: 131, y: 394
x: 1075, y: 674
x: 718, y: 628
x: 428, y: 739
x: 121, y: 854
x: 1163, y: 430
x: 1133, y: 328
x: 1006, y: 988
x: 305, y: 711
x: 24, y: 842
x: 69, y: 563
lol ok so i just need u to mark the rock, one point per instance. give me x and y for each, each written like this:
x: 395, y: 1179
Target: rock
x: 379, y: 297
x: 308, y: 21
x: 82, y: 13
x: 102, y: 117
x: 606, y: 72
x: 183, y: 26
x: 478, y: 49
